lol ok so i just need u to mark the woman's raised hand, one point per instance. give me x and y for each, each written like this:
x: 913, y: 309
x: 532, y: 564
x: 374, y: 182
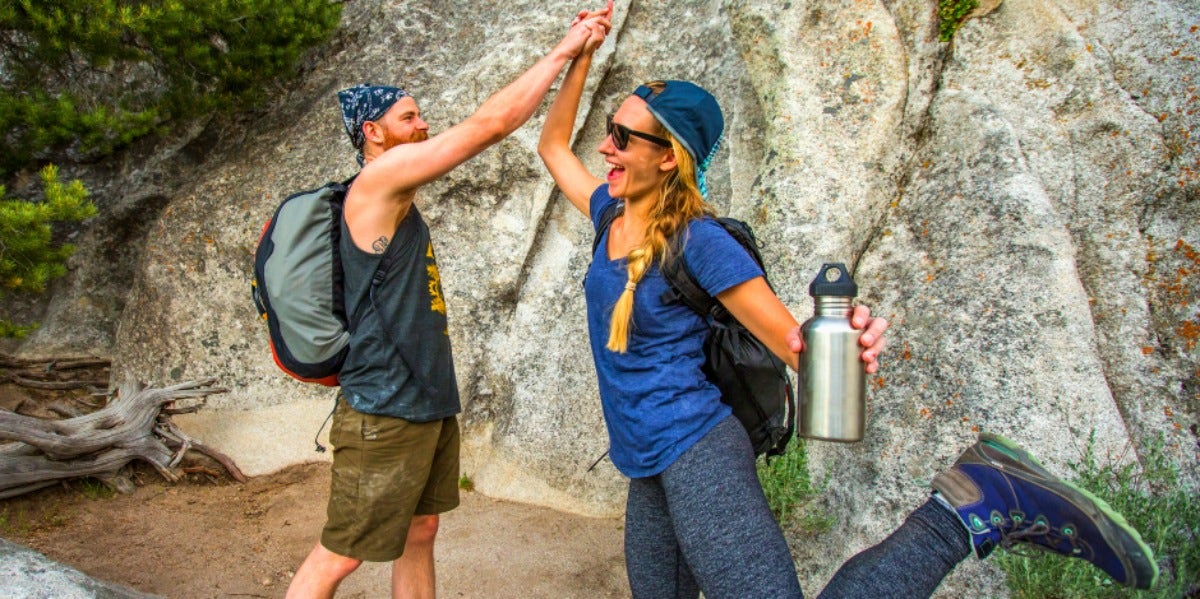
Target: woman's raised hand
x: 589, y: 28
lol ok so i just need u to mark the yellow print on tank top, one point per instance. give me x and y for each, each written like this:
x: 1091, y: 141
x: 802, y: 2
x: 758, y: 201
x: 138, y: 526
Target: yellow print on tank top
x: 438, y: 304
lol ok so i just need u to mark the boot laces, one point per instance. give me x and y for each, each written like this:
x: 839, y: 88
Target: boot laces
x: 1038, y: 538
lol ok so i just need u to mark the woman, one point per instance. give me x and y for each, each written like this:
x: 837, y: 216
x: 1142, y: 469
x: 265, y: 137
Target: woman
x: 663, y: 416
x: 696, y: 516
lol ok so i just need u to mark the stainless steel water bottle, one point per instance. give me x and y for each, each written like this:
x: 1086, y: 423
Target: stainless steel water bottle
x: 832, y: 380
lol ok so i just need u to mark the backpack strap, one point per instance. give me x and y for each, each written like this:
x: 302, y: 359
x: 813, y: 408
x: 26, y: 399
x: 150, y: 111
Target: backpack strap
x: 606, y: 219
x: 682, y: 284
x: 343, y: 189
x: 385, y: 263
x: 685, y: 288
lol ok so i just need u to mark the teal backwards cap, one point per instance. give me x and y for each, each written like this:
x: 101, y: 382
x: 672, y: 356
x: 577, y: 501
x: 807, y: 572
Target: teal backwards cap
x: 693, y: 117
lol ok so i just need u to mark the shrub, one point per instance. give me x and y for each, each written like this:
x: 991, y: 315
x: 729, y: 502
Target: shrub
x: 91, y: 76
x: 788, y: 486
x: 29, y: 256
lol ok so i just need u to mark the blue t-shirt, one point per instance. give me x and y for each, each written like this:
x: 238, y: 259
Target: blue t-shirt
x: 656, y: 399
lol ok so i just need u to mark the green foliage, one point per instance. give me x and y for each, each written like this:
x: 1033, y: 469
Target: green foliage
x: 94, y: 75
x: 465, y: 483
x: 951, y: 14
x: 789, y: 488
x: 29, y: 256
x: 1166, y: 514
x: 10, y: 330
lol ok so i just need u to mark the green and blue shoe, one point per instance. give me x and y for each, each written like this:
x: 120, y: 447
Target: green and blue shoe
x: 1007, y: 499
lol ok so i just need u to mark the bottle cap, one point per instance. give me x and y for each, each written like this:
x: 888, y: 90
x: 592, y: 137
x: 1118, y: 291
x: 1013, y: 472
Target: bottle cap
x: 833, y: 280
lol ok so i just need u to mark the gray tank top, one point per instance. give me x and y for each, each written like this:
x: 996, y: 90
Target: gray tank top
x: 399, y: 362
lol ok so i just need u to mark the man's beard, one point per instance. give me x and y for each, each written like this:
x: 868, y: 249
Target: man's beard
x: 417, y: 136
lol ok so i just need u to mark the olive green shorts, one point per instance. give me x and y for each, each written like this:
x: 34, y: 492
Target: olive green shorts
x: 385, y: 471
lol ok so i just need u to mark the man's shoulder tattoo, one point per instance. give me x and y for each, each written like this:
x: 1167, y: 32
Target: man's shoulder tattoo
x: 380, y: 245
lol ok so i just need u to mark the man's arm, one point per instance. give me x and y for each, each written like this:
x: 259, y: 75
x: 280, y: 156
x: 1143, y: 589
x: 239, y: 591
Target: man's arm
x: 397, y: 172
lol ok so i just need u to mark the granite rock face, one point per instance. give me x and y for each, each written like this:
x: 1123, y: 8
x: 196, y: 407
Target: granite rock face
x: 28, y: 574
x: 1023, y: 204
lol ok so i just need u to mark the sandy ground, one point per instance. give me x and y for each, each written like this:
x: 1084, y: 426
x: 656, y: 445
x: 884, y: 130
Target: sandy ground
x: 210, y: 538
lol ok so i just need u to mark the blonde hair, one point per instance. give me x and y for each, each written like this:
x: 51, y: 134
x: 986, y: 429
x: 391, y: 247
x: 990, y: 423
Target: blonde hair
x: 679, y: 201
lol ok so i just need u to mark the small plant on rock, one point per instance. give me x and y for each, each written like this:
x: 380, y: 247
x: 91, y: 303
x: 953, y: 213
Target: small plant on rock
x: 951, y: 14
x: 788, y: 486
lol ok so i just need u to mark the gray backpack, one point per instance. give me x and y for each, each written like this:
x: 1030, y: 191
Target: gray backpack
x: 298, y: 284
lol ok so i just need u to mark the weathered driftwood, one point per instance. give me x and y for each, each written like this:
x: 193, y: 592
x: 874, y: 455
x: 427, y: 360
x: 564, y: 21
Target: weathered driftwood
x: 135, y: 425
x: 7, y: 361
x: 54, y: 385
x: 46, y: 373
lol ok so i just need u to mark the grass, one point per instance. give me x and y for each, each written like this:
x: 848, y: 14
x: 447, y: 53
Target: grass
x: 788, y: 486
x: 13, y: 522
x: 17, y: 522
x: 1153, y: 501
x: 465, y: 483
x: 94, y: 489
x: 47, y: 508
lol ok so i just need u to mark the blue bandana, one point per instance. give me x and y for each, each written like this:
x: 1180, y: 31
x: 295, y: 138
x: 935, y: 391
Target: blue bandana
x: 362, y: 103
x: 693, y: 117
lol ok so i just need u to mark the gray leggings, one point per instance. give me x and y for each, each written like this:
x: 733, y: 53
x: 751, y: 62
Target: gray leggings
x: 704, y: 524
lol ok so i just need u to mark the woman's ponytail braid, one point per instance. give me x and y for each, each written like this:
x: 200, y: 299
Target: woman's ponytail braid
x: 618, y: 332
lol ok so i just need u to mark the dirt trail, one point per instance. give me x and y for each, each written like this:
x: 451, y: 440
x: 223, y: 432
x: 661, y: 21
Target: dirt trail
x: 214, y: 538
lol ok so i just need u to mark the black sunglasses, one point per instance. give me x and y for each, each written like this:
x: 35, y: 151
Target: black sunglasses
x: 620, y: 135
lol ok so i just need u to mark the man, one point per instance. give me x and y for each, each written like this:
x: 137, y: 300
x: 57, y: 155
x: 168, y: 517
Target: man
x: 395, y: 430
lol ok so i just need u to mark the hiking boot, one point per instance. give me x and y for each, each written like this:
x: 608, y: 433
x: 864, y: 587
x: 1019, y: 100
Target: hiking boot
x: 1006, y: 498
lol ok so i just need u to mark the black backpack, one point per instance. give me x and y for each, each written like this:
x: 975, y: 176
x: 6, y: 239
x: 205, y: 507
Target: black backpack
x: 753, y: 381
